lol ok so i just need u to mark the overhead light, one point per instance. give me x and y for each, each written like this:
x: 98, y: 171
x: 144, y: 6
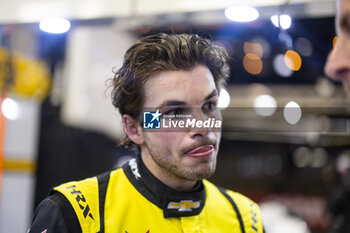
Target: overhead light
x: 280, y: 66
x: 10, y: 109
x: 304, y: 46
x: 224, y: 99
x: 265, y: 105
x: 293, y: 60
x: 54, y: 25
x: 242, y: 13
x: 283, y: 21
x: 292, y: 113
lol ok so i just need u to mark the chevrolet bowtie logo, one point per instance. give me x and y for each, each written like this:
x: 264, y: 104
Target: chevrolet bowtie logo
x: 187, y: 205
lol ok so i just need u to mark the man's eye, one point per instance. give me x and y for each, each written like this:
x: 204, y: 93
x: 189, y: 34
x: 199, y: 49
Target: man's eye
x: 177, y: 111
x: 209, y: 106
x: 345, y: 25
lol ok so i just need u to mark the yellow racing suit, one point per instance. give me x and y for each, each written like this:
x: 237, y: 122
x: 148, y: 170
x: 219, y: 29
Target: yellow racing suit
x: 132, y: 200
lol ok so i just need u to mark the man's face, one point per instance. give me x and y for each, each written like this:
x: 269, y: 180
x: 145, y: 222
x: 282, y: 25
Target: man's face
x: 187, y: 154
x: 338, y: 63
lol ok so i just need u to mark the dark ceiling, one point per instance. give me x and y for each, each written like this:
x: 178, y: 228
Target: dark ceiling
x: 318, y: 31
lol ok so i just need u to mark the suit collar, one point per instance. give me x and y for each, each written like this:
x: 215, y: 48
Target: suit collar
x: 172, y: 202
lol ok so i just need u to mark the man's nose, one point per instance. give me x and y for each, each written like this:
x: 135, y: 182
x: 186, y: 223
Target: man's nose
x: 200, y: 116
x: 338, y: 61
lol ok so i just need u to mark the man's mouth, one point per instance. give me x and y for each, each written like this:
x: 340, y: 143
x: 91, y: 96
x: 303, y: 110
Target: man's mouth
x: 201, y: 151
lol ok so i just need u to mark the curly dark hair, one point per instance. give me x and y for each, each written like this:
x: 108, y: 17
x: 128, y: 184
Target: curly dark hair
x: 158, y: 53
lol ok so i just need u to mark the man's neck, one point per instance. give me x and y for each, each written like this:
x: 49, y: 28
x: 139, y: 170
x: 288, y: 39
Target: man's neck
x: 165, y: 176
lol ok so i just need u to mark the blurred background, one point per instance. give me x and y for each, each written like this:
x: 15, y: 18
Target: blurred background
x: 286, y: 134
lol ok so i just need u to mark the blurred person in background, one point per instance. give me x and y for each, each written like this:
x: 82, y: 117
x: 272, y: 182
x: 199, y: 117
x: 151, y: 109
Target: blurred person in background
x: 164, y: 189
x: 338, y: 68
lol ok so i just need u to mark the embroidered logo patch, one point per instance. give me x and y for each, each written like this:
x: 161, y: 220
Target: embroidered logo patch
x: 253, y: 218
x: 186, y: 205
x: 81, y: 201
x: 134, y: 168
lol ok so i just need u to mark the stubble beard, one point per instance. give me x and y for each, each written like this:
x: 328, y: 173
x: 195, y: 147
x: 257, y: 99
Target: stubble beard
x: 168, y: 164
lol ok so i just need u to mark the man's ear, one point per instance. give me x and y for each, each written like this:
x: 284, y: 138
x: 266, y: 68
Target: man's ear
x: 132, y: 129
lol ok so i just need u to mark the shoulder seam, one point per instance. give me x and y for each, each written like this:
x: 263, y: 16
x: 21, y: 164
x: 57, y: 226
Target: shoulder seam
x: 103, y: 181
x: 235, y: 207
x: 69, y: 216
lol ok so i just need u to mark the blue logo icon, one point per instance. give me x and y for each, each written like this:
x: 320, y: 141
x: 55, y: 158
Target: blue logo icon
x: 151, y: 120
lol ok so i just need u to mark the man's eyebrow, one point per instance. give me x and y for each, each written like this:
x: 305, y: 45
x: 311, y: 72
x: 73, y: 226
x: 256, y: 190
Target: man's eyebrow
x: 212, y: 94
x: 172, y: 103
x: 181, y: 103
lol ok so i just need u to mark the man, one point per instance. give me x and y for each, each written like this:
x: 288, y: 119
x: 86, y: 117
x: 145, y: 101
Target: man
x: 164, y: 189
x: 338, y: 68
x: 338, y: 63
